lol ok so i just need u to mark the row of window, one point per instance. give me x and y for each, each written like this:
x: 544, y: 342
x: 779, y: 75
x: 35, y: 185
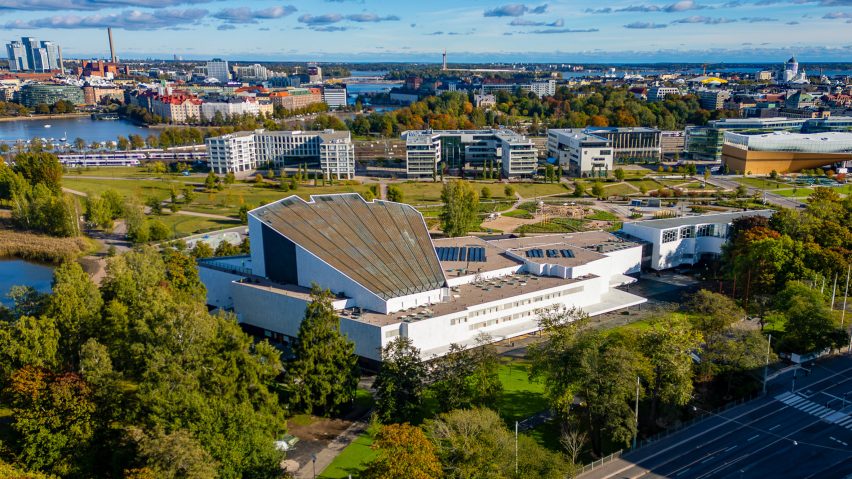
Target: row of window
x: 686, y: 232
x: 515, y: 304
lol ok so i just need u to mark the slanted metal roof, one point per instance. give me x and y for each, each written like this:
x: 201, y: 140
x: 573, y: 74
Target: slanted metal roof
x: 383, y: 246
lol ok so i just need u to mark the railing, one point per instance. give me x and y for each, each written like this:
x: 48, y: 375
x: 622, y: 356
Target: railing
x: 601, y: 462
x: 670, y: 431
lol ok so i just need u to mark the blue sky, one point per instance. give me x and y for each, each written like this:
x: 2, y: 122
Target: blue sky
x: 375, y: 30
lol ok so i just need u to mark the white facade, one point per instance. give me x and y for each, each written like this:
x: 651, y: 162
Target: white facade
x: 580, y: 154
x: 335, y: 97
x: 218, y: 69
x: 500, y: 291
x: 332, y: 151
x: 543, y: 88
x: 659, y: 93
x: 684, y: 241
x: 516, y: 154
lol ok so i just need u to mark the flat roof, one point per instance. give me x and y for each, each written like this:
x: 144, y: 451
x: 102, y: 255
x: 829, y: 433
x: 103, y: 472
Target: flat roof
x: 585, y: 246
x: 716, y: 218
x: 381, y: 245
x: 466, y: 296
x: 495, y: 257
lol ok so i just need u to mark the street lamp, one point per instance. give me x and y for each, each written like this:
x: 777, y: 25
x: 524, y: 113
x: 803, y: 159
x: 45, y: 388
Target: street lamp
x: 636, y: 431
x: 314, y: 461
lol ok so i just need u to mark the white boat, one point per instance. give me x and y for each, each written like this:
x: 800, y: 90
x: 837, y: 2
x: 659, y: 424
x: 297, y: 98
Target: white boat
x: 47, y: 126
x: 64, y: 137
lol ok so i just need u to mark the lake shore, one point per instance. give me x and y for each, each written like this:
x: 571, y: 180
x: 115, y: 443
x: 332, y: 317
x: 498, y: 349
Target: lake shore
x: 42, y: 248
x: 43, y: 117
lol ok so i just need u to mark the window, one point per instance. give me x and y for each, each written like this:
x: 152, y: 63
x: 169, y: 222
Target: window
x: 687, y: 232
x: 669, y: 236
x: 392, y: 333
x: 706, y: 230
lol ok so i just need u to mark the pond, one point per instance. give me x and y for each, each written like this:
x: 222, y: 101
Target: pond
x: 16, y: 272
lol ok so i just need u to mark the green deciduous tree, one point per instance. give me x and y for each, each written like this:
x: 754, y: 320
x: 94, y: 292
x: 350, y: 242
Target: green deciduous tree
x: 324, y: 375
x: 461, y: 206
x: 394, y: 193
x: 669, y: 345
x: 400, y: 382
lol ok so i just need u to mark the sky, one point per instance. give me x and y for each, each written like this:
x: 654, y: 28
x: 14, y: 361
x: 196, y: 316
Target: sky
x: 565, y: 31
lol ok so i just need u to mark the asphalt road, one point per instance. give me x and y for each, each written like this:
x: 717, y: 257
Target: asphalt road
x: 784, y: 434
x: 771, y: 198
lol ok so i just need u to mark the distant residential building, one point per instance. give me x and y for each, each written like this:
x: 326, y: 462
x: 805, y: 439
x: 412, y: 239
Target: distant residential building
x: 539, y: 88
x: 429, y: 150
x: 177, y: 108
x: 48, y: 94
x: 413, y: 82
x: 713, y: 99
x: 296, y: 98
x: 335, y: 96
x: 314, y: 73
x: 230, y: 107
x: 256, y: 73
x: 765, y: 75
x: 579, y: 153
x: 218, y: 69
x: 543, y: 88
x: 332, y: 152
x: 31, y: 55
x: 659, y: 93
x: 95, y: 95
x: 484, y: 101
x: 100, y: 68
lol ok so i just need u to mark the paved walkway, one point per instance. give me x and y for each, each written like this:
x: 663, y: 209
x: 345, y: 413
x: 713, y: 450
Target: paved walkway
x: 325, y: 457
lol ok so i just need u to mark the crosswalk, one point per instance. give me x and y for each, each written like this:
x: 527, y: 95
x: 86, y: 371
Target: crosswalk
x: 843, y: 419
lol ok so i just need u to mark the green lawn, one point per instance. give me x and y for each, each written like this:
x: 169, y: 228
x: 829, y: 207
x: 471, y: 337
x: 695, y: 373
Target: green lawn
x: 602, y: 216
x: 650, y: 185
x: 762, y: 183
x: 521, y: 397
x: 619, y: 189
x: 555, y: 225
x: 183, y: 225
x: 352, y: 460
x: 523, y: 214
x: 794, y: 192
x: 140, y: 189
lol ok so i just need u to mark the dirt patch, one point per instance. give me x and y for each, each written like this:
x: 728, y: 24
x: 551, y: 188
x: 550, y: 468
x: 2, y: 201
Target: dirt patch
x: 507, y: 224
x: 314, y: 437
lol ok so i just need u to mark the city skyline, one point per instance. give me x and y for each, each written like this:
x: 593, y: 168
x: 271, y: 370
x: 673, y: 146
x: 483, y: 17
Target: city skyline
x: 378, y: 30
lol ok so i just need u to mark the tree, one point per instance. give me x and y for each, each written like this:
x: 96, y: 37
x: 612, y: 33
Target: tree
x: 485, y: 193
x: 79, y: 144
x: 123, y: 143
x: 404, y: 451
x: 158, y: 231
x: 474, y: 443
x: 573, y: 440
x: 243, y: 214
x: 461, y: 206
x: 600, y: 368
x: 202, y: 250
x: 400, y: 382
x: 579, y: 189
x: 467, y: 377
x: 509, y: 191
x: 712, y: 313
x: 75, y: 306
x: 230, y: 178
x: 808, y: 322
x: 210, y: 181
x: 174, y: 455
x: 324, y: 375
x: 40, y: 168
x: 669, y: 345
x: 619, y: 174
x: 394, y: 193
x: 52, y: 418
x: 598, y: 190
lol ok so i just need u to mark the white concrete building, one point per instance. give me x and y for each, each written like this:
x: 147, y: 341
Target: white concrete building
x: 218, y: 69
x: 515, y: 154
x: 659, y: 93
x: 543, y: 88
x: 580, y: 154
x: 686, y: 240
x: 329, y: 151
x: 335, y: 96
x: 393, y: 280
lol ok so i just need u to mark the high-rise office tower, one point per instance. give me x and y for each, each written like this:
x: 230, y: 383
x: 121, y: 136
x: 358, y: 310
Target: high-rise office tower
x: 218, y: 69
x: 31, y: 55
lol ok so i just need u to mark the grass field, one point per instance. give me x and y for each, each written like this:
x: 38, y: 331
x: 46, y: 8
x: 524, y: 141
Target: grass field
x: 762, y: 183
x: 555, y: 225
x: 650, y: 185
x: 183, y: 225
x: 602, y: 216
x: 619, y: 189
x: 352, y: 460
x: 794, y: 192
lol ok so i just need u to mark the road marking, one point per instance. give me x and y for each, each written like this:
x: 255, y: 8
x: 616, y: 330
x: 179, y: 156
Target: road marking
x: 731, y: 448
x: 753, y: 437
x: 708, y: 459
x: 774, y: 427
x: 681, y: 472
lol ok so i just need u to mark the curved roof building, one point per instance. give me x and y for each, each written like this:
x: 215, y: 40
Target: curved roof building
x: 785, y: 152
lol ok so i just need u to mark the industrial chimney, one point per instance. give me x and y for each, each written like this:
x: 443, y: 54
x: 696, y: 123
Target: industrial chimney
x: 111, y: 47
